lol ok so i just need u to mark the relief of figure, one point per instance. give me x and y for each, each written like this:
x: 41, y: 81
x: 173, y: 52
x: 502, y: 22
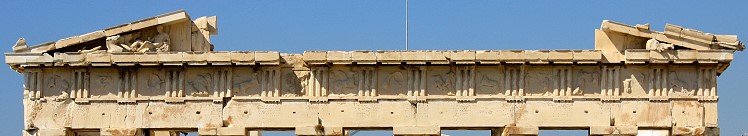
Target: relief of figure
x: 292, y: 84
x: 112, y: 44
x: 679, y: 86
x: 585, y: 78
x: 133, y: 42
x: 393, y: 81
x: 627, y: 85
x: 159, y: 43
x: 442, y: 82
x: 102, y: 82
x: 155, y: 80
x: 201, y: 85
x: 304, y: 79
x: 92, y: 50
x: 121, y: 43
x: 58, y: 84
x: 655, y: 45
x: 128, y: 41
x: 487, y: 82
x: 247, y: 84
x: 343, y: 81
x: 20, y: 45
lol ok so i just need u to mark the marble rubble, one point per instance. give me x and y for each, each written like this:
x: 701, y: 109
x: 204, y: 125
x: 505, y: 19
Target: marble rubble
x: 159, y: 76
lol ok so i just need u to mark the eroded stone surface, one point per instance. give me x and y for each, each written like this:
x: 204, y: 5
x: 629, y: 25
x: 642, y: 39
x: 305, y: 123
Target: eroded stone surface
x: 636, y: 81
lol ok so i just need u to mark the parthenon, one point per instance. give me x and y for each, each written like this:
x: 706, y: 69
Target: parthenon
x: 160, y: 76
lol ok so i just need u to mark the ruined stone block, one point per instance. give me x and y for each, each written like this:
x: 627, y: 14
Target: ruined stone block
x: 636, y: 82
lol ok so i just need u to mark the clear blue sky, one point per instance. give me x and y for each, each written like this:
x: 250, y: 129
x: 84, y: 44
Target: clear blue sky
x: 298, y: 25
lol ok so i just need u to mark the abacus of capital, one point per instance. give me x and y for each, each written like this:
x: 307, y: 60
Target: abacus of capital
x: 159, y: 76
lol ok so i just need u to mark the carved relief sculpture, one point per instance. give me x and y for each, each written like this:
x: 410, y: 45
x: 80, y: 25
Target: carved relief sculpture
x: 635, y: 81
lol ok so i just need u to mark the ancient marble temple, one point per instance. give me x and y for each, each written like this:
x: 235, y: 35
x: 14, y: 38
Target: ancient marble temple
x: 159, y: 76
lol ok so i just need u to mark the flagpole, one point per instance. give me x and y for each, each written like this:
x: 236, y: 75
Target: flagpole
x: 406, y: 24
